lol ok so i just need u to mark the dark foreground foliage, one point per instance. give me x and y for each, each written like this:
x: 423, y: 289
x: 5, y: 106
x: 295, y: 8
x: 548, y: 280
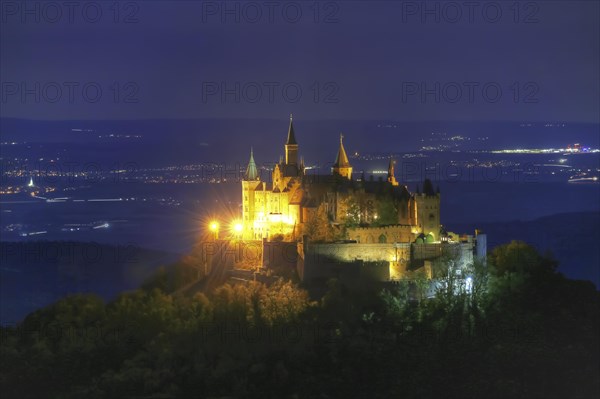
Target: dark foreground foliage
x: 521, y: 330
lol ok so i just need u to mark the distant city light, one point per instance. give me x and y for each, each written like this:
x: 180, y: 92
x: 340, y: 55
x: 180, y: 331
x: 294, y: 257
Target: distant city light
x: 572, y: 150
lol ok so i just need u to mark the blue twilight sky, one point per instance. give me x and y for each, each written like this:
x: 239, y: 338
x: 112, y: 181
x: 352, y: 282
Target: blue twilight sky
x: 322, y: 60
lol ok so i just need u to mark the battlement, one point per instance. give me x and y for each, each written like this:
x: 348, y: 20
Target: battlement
x: 387, y: 226
x: 383, y: 234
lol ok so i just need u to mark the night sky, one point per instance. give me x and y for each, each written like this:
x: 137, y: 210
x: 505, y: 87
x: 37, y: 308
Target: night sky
x: 352, y: 60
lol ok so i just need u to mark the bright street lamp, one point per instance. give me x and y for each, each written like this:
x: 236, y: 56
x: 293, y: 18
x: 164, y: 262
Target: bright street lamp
x: 214, y: 227
x: 238, y: 227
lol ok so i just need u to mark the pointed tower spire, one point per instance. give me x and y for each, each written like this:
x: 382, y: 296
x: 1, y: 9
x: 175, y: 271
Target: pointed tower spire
x: 341, y: 161
x: 291, y: 138
x: 342, y: 165
x: 291, y: 146
x: 251, y: 170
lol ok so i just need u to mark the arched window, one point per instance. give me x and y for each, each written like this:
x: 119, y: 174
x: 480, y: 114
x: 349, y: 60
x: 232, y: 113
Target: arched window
x: 382, y: 239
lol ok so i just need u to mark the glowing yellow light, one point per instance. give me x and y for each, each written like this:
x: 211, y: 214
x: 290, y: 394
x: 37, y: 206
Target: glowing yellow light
x: 279, y: 218
x: 238, y: 227
x: 214, y: 226
x: 275, y: 217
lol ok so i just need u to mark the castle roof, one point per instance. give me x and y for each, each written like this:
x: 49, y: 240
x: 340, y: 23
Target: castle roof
x: 291, y: 138
x: 289, y: 170
x: 297, y: 197
x: 310, y: 203
x: 251, y: 170
x: 428, y: 188
x: 319, y: 185
x: 341, y: 161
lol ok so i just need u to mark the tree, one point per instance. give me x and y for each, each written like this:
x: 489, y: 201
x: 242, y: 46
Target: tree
x: 387, y: 213
x: 520, y: 257
x: 283, y: 302
x: 317, y: 227
x: 353, y: 212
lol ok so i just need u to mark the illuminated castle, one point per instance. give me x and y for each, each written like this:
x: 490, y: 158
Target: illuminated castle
x: 335, y: 206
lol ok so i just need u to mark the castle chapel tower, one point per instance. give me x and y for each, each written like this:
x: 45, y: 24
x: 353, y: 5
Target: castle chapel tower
x: 291, y: 146
x: 251, y: 185
x: 342, y: 166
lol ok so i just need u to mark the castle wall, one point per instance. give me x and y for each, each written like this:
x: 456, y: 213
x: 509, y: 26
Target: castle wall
x: 383, y: 234
x: 381, y: 262
x: 322, y: 261
x: 277, y: 255
x: 462, y: 253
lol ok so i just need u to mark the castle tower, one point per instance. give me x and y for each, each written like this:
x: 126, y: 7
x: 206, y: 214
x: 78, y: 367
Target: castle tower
x: 342, y: 166
x: 291, y: 146
x: 250, y: 184
x: 251, y: 170
x: 428, y: 210
x: 391, y: 178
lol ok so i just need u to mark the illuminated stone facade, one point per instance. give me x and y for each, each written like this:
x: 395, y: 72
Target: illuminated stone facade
x: 365, y: 211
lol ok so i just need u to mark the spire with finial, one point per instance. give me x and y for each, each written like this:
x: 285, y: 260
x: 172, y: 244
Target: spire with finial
x: 342, y: 165
x: 291, y: 146
x: 391, y: 178
x: 341, y: 161
x: 251, y: 170
x: 291, y: 138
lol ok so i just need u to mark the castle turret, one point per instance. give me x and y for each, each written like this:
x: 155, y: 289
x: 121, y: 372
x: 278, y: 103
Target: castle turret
x: 391, y: 178
x: 342, y: 165
x: 291, y: 146
x: 250, y: 206
x: 428, y: 210
x: 251, y: 170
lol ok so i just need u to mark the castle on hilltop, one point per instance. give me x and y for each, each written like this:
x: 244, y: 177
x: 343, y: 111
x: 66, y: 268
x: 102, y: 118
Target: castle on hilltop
x: 341, y: 225
x: 295, y: 203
